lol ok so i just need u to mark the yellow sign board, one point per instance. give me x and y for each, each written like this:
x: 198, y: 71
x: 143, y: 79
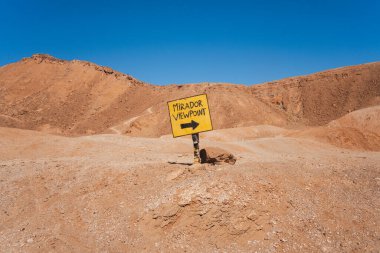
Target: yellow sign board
x: 190, y: 115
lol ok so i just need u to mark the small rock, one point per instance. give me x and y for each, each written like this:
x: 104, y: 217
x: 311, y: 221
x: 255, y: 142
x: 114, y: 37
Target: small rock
x: 259, y: 227
x: 216, y: 156
x: 30, y: 240
x: 170, y: 212
x: 252, y: 216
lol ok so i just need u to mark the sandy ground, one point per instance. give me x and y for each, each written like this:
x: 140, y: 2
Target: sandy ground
x: 113, y: 193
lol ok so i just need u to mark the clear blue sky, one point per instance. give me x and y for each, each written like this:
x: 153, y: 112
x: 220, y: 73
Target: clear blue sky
x: 164, y: 42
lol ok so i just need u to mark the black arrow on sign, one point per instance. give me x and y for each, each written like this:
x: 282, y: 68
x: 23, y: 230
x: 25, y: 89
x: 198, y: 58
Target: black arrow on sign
x: 192, y: 124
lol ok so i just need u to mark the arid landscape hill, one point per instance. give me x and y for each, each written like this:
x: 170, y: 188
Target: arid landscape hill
x: 78, y: 173
x: 78, y: 98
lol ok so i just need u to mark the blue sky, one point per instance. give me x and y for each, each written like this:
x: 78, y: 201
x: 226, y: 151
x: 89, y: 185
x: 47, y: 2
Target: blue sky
x: 165, y: 42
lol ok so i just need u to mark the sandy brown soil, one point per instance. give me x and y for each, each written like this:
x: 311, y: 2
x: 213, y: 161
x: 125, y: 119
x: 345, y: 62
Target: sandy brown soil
x: 112, y: 193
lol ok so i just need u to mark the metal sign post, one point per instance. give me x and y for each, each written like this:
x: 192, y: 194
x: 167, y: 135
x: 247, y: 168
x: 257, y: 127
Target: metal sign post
x: 197, y: 158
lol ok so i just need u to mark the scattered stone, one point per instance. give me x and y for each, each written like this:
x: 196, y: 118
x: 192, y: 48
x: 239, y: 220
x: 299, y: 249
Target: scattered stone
x: 30, y: 240
x: 215, y: 155
x: 252, y: 216
x: 238, y: 228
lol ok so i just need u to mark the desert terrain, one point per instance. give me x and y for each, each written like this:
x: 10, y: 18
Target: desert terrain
x: 88, y: 163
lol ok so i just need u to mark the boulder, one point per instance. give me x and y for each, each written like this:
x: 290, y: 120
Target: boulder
x: 216, y: 156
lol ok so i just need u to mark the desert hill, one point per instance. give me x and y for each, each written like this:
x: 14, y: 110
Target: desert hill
x: 318, y: 98
x: 358, y: 130
x: 77, y: 97
x: 83, y: 175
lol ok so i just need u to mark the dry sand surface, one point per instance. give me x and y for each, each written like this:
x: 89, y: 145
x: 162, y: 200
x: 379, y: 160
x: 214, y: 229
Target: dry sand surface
x: 87, y: 165
x: 113, y: 193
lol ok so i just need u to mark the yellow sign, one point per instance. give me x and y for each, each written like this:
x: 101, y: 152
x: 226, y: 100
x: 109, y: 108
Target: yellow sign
x: 190, y: 115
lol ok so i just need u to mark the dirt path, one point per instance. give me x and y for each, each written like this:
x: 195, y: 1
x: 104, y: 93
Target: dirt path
x: 118, y: 129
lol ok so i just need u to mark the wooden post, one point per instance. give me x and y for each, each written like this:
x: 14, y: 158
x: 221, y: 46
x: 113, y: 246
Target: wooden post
x: 195, y: 138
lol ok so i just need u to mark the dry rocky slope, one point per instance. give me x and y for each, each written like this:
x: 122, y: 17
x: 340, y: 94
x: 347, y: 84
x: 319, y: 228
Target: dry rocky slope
x: 306, y: 178
x: 77, y: 97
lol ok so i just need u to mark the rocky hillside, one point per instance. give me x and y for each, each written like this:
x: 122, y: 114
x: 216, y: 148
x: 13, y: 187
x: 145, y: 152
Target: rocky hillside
x: 321, y: 97
x: 77, y: 97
